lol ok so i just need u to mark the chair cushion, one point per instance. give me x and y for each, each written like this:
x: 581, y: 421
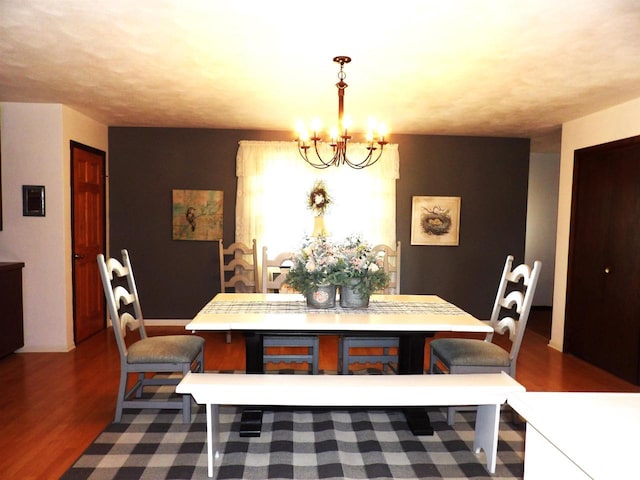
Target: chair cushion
x: 470, y: 352
x: 165, y: 349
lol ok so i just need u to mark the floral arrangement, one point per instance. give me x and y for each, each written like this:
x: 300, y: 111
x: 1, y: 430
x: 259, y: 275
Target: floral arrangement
x: 358, y: 267
x: 318, y: 199
x: 314, y: 265
x: 351, y: 263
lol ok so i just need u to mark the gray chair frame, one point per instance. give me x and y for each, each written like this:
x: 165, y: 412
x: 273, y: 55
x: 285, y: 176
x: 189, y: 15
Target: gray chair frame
x: 310, y: 343
x: 387, y: 346
x: 190, y: 347
x: 509, y: 314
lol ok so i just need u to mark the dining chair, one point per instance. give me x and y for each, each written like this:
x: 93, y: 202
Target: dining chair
x: 509, y: 314
x: 147, y: 356
x: 355, y: 350
x: 301, y: 348
x: 238, y: 269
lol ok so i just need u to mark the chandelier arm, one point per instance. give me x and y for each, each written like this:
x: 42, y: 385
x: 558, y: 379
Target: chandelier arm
x: 334, y: 159
x: 303, y: 150
x: 366, y: 162
x: 340, y: 139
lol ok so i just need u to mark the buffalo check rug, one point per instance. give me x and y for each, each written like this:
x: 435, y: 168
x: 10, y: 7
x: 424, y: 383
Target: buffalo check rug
x: 297, y: 444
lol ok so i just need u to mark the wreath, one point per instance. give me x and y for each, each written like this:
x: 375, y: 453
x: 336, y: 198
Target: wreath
x: 318, y: 199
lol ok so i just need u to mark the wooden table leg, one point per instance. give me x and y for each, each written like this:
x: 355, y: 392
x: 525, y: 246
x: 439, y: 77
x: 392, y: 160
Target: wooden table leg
x: 213, y: 436
x: 411, y: 361
x: 253, y: 352
x: 251, y: 419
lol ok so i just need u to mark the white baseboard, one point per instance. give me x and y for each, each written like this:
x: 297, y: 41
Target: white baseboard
x: 45, y: 349
x: 165, y: 322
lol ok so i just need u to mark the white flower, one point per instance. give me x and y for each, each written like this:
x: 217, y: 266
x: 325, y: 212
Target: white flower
x: 373, y: 267
x: 310, y: 266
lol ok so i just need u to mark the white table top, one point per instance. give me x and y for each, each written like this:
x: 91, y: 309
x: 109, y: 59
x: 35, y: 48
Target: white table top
x: 596, y: 431
x: 408, y: 313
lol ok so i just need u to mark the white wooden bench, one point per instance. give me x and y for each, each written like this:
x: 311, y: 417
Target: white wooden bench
x: 487, y: 391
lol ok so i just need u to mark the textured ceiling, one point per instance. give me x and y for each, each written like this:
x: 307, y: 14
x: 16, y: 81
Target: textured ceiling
x: 498, y: 68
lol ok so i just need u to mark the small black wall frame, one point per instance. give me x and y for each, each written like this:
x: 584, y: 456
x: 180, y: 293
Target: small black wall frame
x: 33, y: 201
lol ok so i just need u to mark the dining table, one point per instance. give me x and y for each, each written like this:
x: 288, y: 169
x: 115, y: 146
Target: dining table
x: 412, y: 318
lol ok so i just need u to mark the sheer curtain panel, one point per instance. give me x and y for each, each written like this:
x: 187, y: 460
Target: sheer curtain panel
x: 274, y: 182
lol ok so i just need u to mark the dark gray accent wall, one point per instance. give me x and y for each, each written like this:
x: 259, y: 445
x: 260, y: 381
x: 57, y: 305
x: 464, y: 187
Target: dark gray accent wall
x: 490, y: 175
x: 175, y: 278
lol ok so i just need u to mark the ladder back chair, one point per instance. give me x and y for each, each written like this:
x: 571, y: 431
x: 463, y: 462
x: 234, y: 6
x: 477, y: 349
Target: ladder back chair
x: 148, y: 355
x: 389, y: 261
x: 351, y: 349
x: 509, y: 314
x: 238, y: 269
x: 306, y: 348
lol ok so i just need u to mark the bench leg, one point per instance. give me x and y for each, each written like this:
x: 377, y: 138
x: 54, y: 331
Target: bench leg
x: 213, y: 436
x: 486, y: 436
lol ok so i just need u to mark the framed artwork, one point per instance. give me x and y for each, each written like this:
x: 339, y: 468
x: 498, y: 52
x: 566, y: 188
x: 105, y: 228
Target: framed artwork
x: 435, y: 221
x: 33, y: 200
x: 197, y: 215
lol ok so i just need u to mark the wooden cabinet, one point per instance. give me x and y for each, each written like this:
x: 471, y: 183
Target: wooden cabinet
x: 11, y: 328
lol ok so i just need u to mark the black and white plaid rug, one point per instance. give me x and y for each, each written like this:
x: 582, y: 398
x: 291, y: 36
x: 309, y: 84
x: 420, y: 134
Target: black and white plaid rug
x: 298, y: 444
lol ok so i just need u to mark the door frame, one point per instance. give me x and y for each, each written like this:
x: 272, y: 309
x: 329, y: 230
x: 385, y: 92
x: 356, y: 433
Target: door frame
x: 78, y: 145
x: 570, y: 321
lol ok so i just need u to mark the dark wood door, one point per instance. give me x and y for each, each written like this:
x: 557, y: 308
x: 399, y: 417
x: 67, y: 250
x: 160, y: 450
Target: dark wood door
x: 603, y: 293
x: 88, y: 223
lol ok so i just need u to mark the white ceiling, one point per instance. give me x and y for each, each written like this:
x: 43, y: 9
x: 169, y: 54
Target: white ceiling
x: 461, y: 67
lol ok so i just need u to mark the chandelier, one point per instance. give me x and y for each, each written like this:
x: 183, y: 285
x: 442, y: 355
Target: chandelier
x: 339, y: 136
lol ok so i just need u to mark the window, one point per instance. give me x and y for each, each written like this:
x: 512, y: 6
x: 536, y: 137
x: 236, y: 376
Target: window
x: 273, y: 184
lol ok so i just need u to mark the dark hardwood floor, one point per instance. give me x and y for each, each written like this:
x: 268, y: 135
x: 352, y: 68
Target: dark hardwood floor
x: 53, y: 405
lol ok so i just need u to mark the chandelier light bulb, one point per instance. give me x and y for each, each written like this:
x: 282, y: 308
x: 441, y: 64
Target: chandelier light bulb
x: 301, y: 130
x: 347, y: 123
x: 316, y: 124
x: 333, y: 133
x: 383, y: 131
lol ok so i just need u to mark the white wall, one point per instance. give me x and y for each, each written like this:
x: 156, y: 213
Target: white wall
x: 615, y: 123
x: 36, y: 151
x: 542, y: 216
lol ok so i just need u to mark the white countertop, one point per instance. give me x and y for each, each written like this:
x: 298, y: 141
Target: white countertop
x: 598, y: 432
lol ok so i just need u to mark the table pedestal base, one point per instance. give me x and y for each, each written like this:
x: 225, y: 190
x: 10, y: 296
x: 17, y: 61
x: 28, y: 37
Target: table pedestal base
x: 251, y: 422
x: 410, y: 361
x: 418, y: 420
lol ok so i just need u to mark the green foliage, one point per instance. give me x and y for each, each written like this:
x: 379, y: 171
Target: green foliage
x: 358, y: 267
x: 350, y: 263
x: 314, y: 265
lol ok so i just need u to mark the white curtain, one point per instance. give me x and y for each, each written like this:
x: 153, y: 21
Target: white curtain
x: 274, y: 182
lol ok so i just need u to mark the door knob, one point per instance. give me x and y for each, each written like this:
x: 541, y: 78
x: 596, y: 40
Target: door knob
x: 607, y: 270
x: 77, y: 256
